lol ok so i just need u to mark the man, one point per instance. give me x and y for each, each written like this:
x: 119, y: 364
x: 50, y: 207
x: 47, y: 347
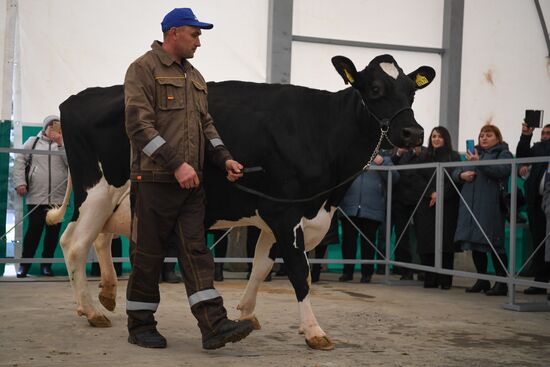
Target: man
x: 534, y: 187
x: 170, y: 129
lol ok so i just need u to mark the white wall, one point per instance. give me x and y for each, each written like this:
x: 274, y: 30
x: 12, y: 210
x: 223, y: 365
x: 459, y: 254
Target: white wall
x: 503, y: 42
x: 68, y: 45
x: 391, y: 21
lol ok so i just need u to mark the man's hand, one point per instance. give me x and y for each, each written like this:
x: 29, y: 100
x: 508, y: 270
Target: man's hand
x: 523, y: 171
x: 186, y: 176
x: 526, y: 130
x: 234, y: 170
x: 378, y: 160
x: 433, y: 199
x: 21, y: 190
x: 468, y: 176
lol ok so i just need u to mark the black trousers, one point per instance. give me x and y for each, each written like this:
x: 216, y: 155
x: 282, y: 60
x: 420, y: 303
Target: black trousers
x: 37, y: 221
x: 537, y: 227
x: 400, y: 216
x: 349, y: 242
x: 160, y: 210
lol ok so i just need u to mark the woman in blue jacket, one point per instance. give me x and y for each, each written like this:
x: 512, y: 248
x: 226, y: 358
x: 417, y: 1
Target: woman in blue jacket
x: 365, y: 205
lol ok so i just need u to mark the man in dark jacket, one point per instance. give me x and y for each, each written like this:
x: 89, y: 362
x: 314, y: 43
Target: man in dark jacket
x: 170, y: 131
x: 534, y: 186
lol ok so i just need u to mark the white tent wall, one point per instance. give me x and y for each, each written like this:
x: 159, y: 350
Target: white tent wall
x: 67, y: 45
x: 367, y: 21
x: 505, y: 68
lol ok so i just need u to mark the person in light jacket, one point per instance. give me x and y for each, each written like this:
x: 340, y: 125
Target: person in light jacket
x: 47, y: 181
x: 365, y: 205
x: 481, y: 191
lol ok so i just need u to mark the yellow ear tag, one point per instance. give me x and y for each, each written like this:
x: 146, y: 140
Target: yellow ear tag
x: 421, y: 80
x: 348, y: 75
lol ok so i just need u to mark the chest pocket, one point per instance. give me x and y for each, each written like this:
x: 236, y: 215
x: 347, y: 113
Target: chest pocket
x: 170, y: 93
x: 200, y: 96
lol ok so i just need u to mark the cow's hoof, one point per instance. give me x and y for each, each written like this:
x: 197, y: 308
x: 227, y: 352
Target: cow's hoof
x: 108, y: 303
x: 99, y: 321
x: 320, y: 343
x: 255, y: 323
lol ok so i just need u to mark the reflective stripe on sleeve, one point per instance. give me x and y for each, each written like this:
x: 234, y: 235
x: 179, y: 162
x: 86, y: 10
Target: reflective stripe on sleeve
x: 216, y: 141
x: 141, y: 306
x: 153, y: 145
x: 204, y: 295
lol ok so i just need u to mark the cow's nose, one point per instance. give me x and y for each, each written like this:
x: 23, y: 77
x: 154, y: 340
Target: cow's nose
x: 412, y: 136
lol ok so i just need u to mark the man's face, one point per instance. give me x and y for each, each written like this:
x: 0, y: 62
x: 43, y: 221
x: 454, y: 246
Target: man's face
x: 186, y: 41
x: 545, y: 134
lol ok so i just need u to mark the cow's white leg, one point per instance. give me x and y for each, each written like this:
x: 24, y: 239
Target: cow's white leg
x: 75, y: 253
x: 316, y: 338
x: 76, y: 242
x: 260, y: 268
x: 108, y: 284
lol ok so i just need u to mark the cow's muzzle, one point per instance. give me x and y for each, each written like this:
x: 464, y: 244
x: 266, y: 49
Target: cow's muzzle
x: 412, y: 137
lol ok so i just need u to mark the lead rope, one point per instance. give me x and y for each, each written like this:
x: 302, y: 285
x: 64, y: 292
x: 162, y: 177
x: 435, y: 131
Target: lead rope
x: 383, y: 134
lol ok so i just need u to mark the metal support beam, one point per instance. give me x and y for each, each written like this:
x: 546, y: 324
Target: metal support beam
x: 451, y: 65
x: 9, y: 60
x: 543, y: 25
x: 279, y: 41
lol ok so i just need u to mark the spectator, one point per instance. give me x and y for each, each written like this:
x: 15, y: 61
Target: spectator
x: 43, y: 186
x: 406, y: 194
x: 440, y: 149
x: 482, y: 195
x: 534, y: 187
x: 365, y: 206
x: 546, y: 208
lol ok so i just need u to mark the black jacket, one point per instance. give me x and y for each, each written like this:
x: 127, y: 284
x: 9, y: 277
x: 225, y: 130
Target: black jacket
x: 524, y: 150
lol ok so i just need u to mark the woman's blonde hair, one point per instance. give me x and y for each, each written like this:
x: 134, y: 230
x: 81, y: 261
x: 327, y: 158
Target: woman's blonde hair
x: 493, y: 129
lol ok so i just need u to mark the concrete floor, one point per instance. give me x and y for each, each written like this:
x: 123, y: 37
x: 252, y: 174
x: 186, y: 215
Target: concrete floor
x: 372, y: 325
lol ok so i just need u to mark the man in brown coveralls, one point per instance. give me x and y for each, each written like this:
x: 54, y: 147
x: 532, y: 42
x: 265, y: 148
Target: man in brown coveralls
x: 170, y: 131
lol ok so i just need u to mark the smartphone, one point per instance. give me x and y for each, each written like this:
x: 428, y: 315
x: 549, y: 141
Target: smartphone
x: 470, y: 146
x: 533, y: 118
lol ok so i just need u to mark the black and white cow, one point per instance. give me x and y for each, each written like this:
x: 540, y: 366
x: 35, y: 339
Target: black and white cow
x: 307, y: 141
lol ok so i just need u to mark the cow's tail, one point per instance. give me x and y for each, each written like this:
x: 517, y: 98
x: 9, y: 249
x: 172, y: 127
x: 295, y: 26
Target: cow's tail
x: 56, y: 215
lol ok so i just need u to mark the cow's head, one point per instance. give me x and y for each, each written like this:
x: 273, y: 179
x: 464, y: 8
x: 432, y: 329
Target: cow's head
x: 388, y: 94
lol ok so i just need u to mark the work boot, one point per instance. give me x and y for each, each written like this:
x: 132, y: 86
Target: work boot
x: 499, y: 289
x: 227, y: 331
x: 150, y: 338
x: 479, y: 286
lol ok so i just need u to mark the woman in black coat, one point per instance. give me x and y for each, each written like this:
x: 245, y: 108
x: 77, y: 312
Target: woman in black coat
x: 440, y: 149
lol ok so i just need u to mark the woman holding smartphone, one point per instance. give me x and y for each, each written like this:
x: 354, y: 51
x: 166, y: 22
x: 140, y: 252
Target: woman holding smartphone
x: 481, y: 191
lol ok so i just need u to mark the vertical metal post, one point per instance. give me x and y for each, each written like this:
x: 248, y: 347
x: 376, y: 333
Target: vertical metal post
x: 279, y: 41
x: 513, y: 211
x: 388, y: 225
x: 439, y: 189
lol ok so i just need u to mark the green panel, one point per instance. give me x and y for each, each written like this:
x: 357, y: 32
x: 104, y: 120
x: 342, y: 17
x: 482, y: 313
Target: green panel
x: 5, y: 131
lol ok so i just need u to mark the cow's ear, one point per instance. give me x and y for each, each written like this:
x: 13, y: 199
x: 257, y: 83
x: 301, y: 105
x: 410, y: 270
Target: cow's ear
x: 345, y: 68
x: 422, y: 77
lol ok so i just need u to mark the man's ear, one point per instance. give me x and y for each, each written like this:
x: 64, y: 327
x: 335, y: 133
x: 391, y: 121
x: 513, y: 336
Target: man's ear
x: 346, y: 69
x: 422, y: 77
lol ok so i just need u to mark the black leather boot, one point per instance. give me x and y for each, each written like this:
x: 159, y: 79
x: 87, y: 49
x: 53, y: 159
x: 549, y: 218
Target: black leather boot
x: 46, y: 270
x: 499, y: 289
x: 23, y: 270
x: 479, y: 286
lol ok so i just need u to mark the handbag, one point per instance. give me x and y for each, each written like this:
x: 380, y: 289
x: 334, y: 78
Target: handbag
x: 505, y: 201
x: 28, y: 163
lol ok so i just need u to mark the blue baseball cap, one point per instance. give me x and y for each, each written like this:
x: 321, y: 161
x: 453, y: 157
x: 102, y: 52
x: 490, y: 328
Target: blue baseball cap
x: 180, y: 17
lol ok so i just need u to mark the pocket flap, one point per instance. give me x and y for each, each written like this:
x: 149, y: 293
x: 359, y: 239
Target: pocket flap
x: 170, y: 80
x: 200, y: 86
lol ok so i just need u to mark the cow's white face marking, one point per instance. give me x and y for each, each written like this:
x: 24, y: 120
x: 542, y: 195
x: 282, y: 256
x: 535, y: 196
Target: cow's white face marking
x: 390, y: 69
